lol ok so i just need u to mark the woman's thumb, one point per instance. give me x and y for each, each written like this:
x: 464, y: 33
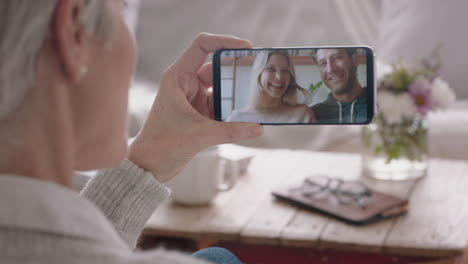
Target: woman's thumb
x: 226, y: 132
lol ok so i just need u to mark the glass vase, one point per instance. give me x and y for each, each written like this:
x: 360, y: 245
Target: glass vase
x: 395, y: 151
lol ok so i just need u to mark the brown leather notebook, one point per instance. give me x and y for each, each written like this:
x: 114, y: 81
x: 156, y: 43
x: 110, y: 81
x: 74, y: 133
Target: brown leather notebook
x: 378, y: 206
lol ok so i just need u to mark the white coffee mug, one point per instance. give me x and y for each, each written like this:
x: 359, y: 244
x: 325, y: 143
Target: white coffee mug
x: 202, y: 179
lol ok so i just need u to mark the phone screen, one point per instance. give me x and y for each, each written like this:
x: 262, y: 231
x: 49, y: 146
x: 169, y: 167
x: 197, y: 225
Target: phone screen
x: 285, y: 86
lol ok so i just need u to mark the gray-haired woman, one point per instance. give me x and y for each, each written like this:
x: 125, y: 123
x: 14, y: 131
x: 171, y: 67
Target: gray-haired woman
x: 65, y: 70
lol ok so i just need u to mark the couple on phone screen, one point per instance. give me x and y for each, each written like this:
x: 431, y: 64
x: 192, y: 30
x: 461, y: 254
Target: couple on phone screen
x: 274, y: 90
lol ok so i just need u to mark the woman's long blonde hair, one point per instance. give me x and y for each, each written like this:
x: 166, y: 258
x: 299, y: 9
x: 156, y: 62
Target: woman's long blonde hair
x: 290, y: 96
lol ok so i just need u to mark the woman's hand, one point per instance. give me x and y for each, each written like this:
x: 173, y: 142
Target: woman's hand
x: 180, y: 122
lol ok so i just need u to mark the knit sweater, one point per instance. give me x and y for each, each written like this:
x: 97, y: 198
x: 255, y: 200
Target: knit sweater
x: 42, y: 222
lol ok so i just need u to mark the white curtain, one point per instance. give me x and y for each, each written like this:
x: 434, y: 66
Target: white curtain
x: 361, y: 19
x: 131, y: 14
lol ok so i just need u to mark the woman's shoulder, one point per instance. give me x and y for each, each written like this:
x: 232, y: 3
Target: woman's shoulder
x: 301, y: 108
x: 242, y: 116
x: 306, y: 113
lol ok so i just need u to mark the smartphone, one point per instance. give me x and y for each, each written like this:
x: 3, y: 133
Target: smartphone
x: 295, y: 85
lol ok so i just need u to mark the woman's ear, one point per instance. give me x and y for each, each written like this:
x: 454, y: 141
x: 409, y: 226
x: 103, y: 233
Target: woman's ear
x: 71, y: 39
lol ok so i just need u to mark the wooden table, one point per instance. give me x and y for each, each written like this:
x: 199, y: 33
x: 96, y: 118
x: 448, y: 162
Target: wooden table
x: 436, y: 226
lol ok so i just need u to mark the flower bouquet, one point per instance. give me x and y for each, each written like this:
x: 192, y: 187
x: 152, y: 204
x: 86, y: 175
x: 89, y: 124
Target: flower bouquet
x: 396, y: 144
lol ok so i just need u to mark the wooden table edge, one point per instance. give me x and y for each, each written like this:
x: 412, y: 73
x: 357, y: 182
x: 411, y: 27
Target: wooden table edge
x: 420, y: 252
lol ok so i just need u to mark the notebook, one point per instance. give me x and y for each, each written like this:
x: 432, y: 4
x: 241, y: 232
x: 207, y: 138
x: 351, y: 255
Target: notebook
x: 379, y: 206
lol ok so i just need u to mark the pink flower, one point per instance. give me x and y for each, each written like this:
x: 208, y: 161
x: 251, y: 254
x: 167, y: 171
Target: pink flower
x: 420, y: 91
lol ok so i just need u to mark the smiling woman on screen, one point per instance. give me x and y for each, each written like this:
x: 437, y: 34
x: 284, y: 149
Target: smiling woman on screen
x: 274, y: 91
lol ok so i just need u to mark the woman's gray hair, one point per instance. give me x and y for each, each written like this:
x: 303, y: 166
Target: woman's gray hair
x: 24, y: 26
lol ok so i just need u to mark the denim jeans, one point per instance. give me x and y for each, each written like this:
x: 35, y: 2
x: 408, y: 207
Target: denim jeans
x: 217, y: 255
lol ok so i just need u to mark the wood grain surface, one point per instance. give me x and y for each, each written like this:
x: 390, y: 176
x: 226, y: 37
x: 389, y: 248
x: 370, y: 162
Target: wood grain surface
x: 436, y: 224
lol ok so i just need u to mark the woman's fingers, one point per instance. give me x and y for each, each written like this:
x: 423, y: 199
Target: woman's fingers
x: 205, y: 74
x: 228, y: 132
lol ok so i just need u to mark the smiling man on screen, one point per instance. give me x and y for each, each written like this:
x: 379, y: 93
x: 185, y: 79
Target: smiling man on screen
x: 347, y: 101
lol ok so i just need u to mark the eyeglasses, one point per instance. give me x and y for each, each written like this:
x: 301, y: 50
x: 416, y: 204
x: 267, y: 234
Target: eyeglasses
x: 346, y: 192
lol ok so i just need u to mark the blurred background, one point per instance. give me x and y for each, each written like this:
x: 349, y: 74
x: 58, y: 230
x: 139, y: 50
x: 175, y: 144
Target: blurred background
x: 394, y: 28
